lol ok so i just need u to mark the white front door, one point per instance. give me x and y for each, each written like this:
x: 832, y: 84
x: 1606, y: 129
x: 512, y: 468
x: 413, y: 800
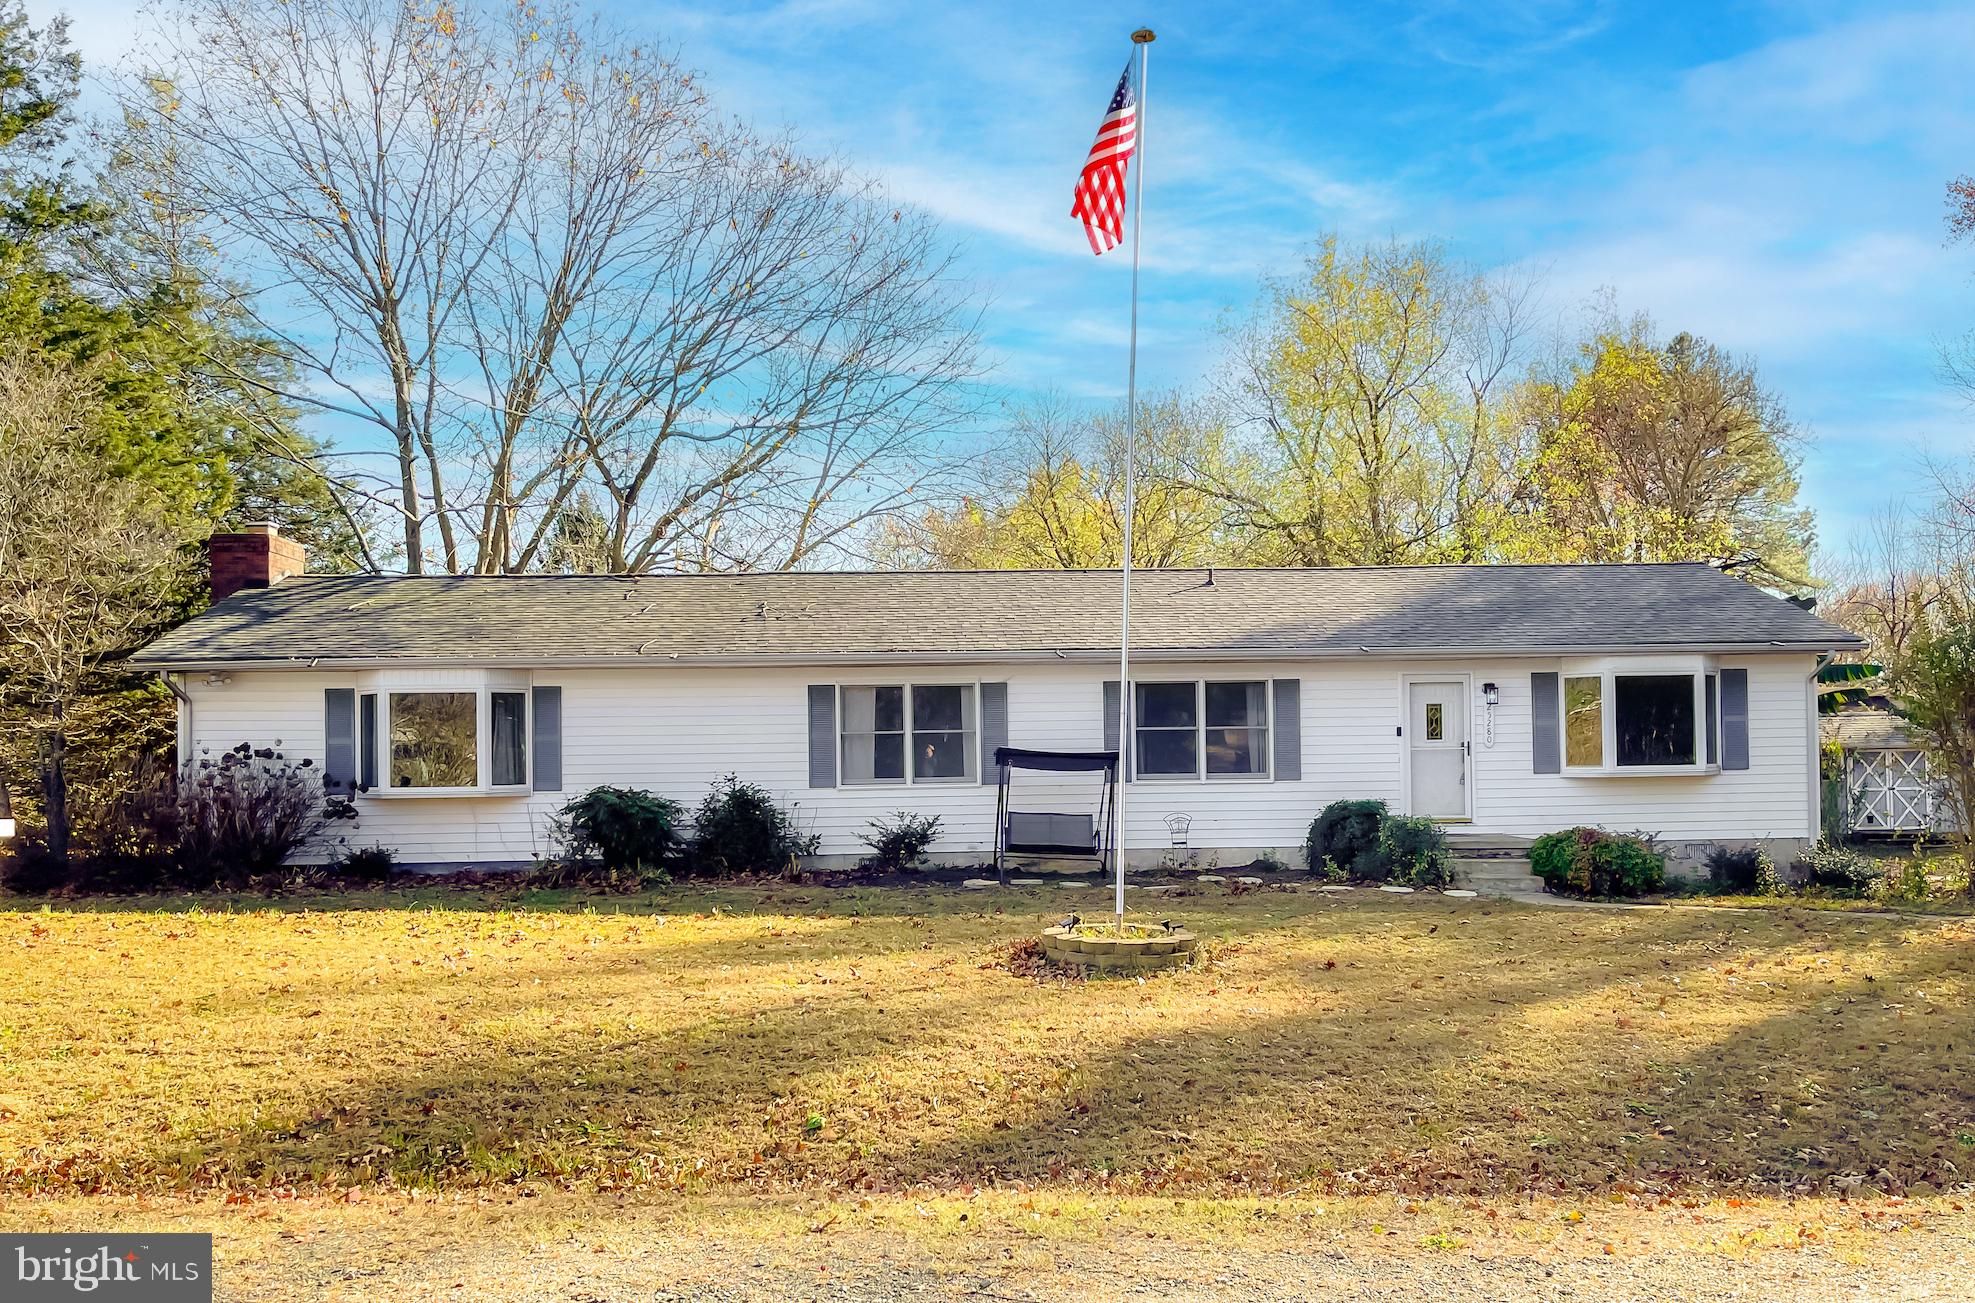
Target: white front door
x: 1437, y: 748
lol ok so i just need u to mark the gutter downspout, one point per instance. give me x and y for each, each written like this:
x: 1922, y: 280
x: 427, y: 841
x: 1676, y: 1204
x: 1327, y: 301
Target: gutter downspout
x: 183, y: 738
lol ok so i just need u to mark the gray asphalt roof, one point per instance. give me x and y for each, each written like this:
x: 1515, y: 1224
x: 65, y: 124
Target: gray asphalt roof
x: 799, y: 618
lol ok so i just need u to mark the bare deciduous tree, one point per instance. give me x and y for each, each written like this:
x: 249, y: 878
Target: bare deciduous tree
x: 1890, y: 585
x: 88, y: 559
x: 531, y: 255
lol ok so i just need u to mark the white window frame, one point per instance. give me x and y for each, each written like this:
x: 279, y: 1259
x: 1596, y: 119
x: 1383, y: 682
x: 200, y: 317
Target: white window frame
x: 1200, y: 726
x: 1699, y: 669
x: 482, y: 688
x: 970, y: 716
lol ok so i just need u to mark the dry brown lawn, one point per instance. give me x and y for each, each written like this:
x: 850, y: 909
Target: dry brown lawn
x: 859, y: 1046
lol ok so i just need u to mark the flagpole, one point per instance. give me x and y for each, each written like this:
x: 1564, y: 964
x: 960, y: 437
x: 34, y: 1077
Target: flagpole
x: 1142, y: 38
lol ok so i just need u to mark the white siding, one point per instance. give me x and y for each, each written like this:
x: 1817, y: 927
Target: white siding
x: 675, y: 730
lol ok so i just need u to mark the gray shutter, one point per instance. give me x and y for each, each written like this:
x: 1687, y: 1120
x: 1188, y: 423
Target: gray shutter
x: 822, y: 735
x: 339, y: 741
x: 1111, y: 728
x: 994, y: 727
x: 1734, y: 719
x: 1289, y: 730
x: 1546, y: 753
x: 546, y: 761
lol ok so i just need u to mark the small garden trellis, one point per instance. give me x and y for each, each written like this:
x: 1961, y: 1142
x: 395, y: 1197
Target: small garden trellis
x: 1056, y: 834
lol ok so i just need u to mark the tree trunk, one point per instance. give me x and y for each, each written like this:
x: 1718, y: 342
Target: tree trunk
x: 55, y: 790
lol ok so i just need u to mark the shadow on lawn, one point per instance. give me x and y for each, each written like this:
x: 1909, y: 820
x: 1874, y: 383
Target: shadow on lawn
x: 688, y: 896
x: 1428, y: 1050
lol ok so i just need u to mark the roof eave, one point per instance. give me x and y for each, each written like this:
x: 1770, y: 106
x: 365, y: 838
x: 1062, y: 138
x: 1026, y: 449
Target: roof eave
x: 978, y: 656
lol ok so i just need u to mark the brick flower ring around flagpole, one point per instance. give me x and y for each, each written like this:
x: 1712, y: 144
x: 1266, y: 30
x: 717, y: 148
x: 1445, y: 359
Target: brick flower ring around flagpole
x: 1096, y: 947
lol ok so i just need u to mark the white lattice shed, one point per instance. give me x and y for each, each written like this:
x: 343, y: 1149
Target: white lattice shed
x: 1889, y: 786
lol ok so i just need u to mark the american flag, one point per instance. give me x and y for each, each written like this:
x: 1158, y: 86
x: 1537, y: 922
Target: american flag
x: 1100, y: 202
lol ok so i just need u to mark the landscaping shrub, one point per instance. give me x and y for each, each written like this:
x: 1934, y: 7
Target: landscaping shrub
x: 1838, y: 868
x: 898, y: 842
x: 740, y: 829
x: 1346, y: 834
x: 1412, y: 851
x: 137, y: 835
x: 228, y: 821
x: 367, y: 864
x: 1593, y: 862
x: 626, y: 832
x: 241, y: 816
x: 30, y: 869
x: 1743, y: 871
x: 1905, y: 882
x: 1330, y: 870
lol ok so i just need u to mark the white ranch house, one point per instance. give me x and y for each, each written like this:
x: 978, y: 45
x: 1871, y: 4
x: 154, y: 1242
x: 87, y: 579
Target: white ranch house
x: 1509, y: 701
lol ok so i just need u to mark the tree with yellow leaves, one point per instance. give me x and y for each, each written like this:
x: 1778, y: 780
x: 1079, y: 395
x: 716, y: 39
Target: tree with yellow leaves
x: 1664, y: 451
x: 1051, y: 496
x: 1369, y: 392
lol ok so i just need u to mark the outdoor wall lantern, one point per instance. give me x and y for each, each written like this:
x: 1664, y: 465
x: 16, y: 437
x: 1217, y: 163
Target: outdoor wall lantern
x: 1491, y: 696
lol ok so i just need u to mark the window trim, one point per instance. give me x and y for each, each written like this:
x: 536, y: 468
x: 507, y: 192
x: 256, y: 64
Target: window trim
x: 970, y: 715
x: 483, y: 691
x: 1707, y: 734
x: 1200, y: 773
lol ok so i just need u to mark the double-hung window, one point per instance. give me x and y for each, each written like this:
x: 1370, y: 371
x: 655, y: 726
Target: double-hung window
x: 1182, y: 730
x: 1659, y: 720
x: 908, y: 733
x: 449, y: 739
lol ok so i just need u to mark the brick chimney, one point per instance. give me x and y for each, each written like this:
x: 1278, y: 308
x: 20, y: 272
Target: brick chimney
x: 256, y: 557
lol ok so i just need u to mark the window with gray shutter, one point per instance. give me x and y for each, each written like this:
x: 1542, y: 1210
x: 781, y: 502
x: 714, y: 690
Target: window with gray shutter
x: 994, y: 727
x: 1288, y: 730
x: 1111, y: 696
x: 822, y: 735
x: 1734, y: 719
x: 547, y: 754
x: 1545, y: 747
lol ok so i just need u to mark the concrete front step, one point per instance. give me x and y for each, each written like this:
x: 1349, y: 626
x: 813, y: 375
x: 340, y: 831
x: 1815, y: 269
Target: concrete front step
x: 1504, y: 872
x: 1465, y: 843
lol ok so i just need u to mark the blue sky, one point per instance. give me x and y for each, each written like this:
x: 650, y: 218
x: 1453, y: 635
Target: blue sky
x: 1768, y: 175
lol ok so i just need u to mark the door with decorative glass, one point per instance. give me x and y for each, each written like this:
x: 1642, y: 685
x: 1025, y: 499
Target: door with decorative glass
x: 1436, y: 741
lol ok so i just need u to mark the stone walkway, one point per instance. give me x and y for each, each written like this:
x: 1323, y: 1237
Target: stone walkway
x: 1297, y: 882
x: 1288, y: 882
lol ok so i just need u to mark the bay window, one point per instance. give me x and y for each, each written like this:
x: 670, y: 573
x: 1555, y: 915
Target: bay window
x: 1651, y: 719
x: 1185, y: 730
x: 1654, y: 715
x: 434, y: 739
x: 509, y: 716
x: 908, y: 733
x: 457, y: 734
x: 1584, y: 721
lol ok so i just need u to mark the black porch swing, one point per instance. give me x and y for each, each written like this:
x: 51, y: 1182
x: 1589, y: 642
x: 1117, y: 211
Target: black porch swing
x: 1054, y: 834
